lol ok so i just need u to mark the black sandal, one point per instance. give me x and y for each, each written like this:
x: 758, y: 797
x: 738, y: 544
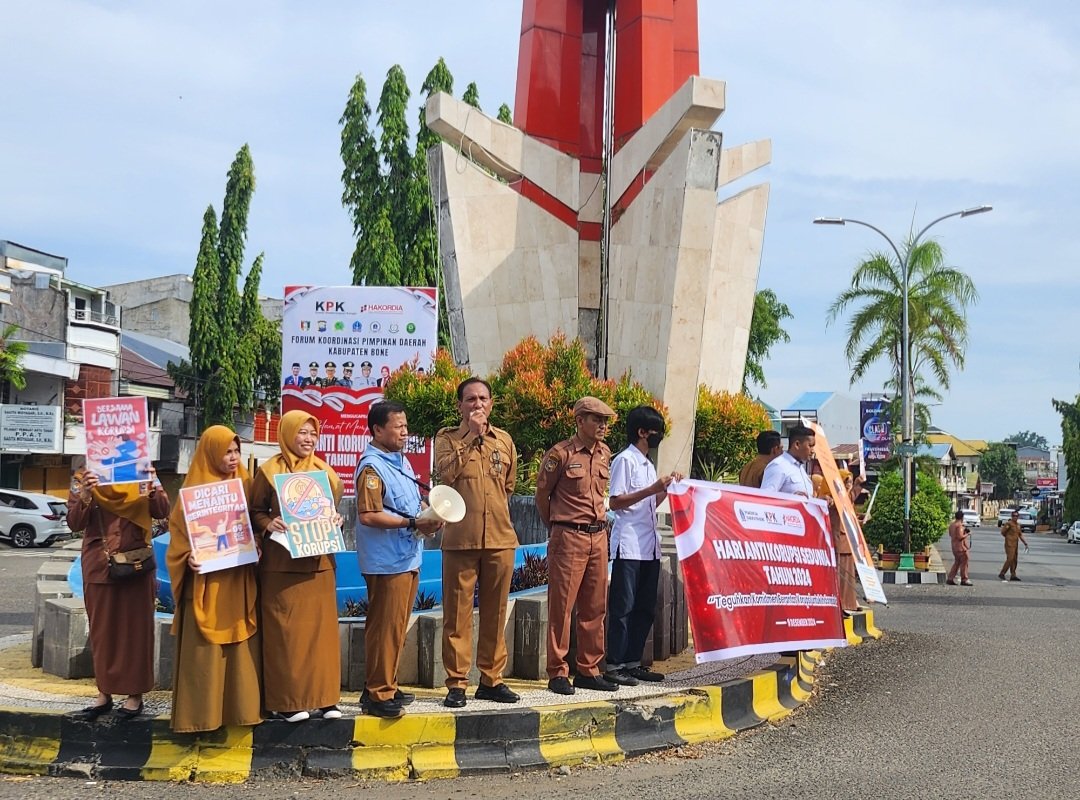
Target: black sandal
x: 91, y: 713
x: 129, y: 713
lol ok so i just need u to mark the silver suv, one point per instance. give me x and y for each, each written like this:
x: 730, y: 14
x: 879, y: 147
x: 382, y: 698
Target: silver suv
x: 28, y: 518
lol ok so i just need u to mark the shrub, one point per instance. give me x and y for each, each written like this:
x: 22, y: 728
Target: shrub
x: 930, y: 508
x: 532, y: 573
x: 535, y: 389
x: 725, y: 433
x: 430, y: 399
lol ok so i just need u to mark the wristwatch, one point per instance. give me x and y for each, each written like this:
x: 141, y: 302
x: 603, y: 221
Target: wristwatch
x: 411, y: 524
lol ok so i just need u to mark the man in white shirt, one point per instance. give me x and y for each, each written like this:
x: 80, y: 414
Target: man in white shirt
x: 787, y: 473
x: 635, y: 548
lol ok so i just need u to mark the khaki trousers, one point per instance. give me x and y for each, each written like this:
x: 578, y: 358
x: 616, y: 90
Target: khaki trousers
x: 1011, y: 558
x: 849, y: 580
x: 463, y: 572
x: 390, y: 601
x: 577, y: 577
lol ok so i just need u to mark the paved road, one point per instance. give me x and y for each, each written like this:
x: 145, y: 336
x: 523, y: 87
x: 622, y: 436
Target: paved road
x: 972, y: 693
x: 18, y: 571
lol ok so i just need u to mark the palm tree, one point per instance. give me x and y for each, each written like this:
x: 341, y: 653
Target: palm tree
x: 938, y: 297
x: 11, y: 352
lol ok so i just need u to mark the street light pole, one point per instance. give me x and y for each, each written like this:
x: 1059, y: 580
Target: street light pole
x: 907, y: 450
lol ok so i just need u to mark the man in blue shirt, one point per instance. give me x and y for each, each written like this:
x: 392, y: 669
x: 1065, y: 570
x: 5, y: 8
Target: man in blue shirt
x: 389, y: 550
x: 635, y: 548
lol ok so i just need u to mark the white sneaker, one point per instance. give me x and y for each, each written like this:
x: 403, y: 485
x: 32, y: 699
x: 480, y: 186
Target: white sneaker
x: 295, y: 716
x: 330, y: 712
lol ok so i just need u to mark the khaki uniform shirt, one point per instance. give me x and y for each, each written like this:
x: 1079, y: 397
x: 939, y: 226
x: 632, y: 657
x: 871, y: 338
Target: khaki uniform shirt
x: 572, y: 483
x: 1011, y: 531
x: 483, y: 470
x: 752, y: 473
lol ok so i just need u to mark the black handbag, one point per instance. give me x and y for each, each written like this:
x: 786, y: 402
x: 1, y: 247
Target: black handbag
x: 129, y: 563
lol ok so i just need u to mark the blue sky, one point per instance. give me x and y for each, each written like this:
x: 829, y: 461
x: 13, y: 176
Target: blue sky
x: 120, y: 121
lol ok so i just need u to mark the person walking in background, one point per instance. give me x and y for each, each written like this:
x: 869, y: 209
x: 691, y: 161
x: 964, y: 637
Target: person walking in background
x: 769, y: 446
x: 787, y: 472
x: 120, y: 611
x: 635, y: 548
x: 297, y: 596
x: 217, y: 667
x: 960, y: 539
x: 480, y: 462
x: 570, y: 491
x: 1013, y: 536
x: 389, y: 552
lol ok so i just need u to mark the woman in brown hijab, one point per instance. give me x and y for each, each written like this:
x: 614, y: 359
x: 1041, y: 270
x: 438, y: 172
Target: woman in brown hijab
x: 216, y: 670
x: 297, y: 596
x: 116, y: 519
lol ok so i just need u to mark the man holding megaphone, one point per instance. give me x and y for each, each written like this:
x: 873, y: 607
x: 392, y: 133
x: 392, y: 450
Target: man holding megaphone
x: 480, y: 462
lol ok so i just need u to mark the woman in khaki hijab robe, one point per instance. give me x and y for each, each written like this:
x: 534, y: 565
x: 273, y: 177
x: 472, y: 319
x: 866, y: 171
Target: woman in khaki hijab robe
x: 297, y: 596
x: 216, y: 674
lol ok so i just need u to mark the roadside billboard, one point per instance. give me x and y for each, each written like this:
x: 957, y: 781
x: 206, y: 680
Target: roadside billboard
x: 339, y: 346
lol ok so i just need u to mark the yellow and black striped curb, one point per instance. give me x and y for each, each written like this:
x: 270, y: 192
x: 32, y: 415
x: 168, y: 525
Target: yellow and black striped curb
x: 441, y: 745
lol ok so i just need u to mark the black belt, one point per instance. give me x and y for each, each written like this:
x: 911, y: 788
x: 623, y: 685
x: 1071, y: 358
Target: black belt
x: 583, y: 527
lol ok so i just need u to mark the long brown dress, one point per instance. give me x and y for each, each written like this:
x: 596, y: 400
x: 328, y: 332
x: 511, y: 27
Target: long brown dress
x: 120, y: 612
x: 217, y: 669
x: 297, y: 596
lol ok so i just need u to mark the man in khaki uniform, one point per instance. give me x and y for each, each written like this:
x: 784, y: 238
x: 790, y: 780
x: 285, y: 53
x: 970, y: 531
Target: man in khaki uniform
x: 480, y: 462
x: 769, y: 447
x: 1013, y: 536
x: 570, y: 493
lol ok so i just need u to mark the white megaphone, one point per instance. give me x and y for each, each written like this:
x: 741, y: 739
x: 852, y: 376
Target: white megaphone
x: 444, y: 504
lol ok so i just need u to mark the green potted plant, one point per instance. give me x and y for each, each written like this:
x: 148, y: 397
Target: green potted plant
x: 930, y: 509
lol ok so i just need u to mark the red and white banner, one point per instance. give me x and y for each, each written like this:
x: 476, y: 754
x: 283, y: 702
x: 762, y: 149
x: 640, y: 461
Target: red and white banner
x: 759, y: 570
x: 339, y: 346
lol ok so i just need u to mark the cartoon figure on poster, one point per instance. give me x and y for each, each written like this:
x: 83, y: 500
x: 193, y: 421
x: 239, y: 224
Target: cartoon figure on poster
x: 117, y: 436
x: 311, y: 520
x: 219, y: 525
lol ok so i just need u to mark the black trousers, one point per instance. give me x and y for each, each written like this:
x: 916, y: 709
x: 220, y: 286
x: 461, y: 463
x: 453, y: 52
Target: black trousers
x: 630, y: 611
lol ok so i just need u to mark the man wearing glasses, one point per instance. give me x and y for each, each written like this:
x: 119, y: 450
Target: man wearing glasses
x: 480, y: 462
x: 570, y: 493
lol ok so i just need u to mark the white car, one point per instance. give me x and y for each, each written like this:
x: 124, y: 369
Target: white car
x: 1074, y: 533
x: 971, y: 518
x: 1027, y: 521
x: 28, y: 518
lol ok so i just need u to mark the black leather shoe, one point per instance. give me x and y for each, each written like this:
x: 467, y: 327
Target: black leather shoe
x: 645, y: 674
x: 91, y: 713
x: 403, y: 698
x: 621, y: 677
x: 560, y: 685
x: 455, y: 698
x: 387, y: 709
x: 597, y: 683
x: 497, y: 694
x: 129, y: 713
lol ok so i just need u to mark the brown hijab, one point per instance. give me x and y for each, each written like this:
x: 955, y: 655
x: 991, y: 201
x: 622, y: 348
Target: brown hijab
x: 123, y: 500
x: 223, y: 602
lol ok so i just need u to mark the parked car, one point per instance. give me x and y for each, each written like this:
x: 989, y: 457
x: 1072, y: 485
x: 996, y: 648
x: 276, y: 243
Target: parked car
x: 1027, y: 522
x: 28, y: 518
x: 971, y: 518
x: 1074, y: 533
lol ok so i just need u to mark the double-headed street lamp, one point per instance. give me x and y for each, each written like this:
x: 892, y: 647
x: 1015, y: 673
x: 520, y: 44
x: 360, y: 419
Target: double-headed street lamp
x: 907, y: 448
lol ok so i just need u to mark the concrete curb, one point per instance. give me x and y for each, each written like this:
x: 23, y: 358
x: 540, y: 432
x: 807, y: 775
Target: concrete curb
x: 901, y: 577
x: 420, y: 746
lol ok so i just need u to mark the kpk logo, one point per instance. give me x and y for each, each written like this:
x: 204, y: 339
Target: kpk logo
x: 382, y: 308
x: 759, y: 517
x: 329, y: 306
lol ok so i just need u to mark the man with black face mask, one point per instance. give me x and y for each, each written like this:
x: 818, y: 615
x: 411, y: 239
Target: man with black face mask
x: 635, y: 548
